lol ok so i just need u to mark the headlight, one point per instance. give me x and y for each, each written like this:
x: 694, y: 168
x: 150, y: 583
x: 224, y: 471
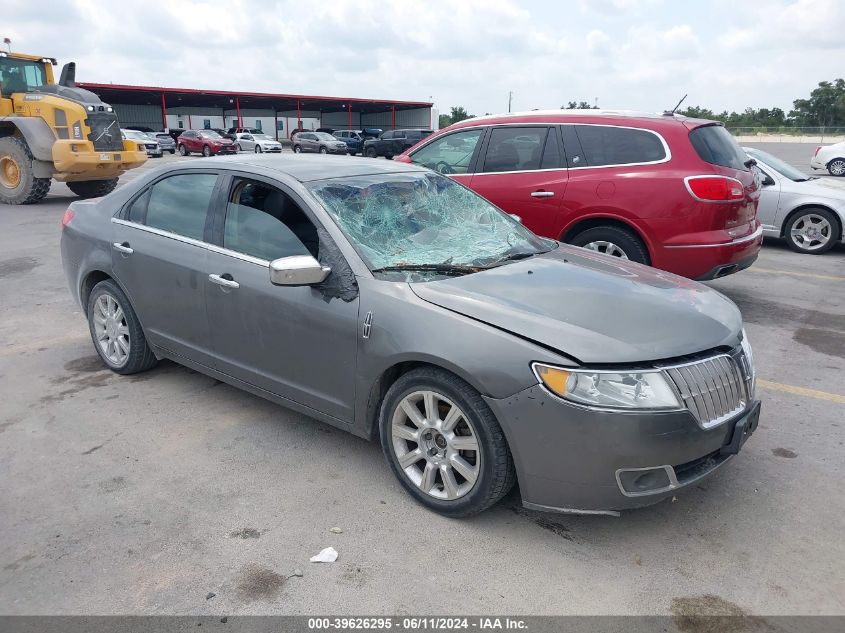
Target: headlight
x: 749, y: 358
x: 608, y: 389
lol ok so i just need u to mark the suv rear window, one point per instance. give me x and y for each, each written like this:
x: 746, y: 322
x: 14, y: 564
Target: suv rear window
x: 610, y: 145
x: 716, y: 146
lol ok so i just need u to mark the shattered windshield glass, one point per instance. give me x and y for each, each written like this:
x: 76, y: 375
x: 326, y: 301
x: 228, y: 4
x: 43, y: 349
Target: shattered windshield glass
x: 423, y: 219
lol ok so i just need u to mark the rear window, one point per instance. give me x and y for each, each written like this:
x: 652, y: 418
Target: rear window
x: 608, y: 145
x: 715, y: 145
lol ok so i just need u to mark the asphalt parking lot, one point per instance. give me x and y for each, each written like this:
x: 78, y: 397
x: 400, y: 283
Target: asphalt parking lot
x: 147, y: 494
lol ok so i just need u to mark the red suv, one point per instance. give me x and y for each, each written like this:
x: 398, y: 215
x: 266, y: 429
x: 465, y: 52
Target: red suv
x: 207, y: 142
x: 665, y: 190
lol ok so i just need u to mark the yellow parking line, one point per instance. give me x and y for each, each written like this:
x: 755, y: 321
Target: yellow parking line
x: 801, y: 391
x: 12, y: 350
x: 772, y: 271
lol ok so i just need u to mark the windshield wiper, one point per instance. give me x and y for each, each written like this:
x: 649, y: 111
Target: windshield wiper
x: 446, y: 269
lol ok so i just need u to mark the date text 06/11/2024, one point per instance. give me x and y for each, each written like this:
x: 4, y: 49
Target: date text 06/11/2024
x: 417, y: 623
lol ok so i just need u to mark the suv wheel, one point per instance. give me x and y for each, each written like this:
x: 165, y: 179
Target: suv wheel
x: 370, y: 152
x: 613, y: 241
x: 836, y: 167
x: 812, y: 231
x: 444, y: 444
x: 323, y: 150
x: 183, y: 151
x: 297, y: 149
x: 206, y: 151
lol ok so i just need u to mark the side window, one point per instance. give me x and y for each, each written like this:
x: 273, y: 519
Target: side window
x: 572, y: 147
x: 551, y: 153
x: 515, y: 148
x: 450, y: 154
x: 179, y: 204
x: 138, y: 208
x: 609, y: 145
x: 266, y: 223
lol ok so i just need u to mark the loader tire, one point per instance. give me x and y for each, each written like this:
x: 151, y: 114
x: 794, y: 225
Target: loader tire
x: 92, y: 188
x: 18, y: 184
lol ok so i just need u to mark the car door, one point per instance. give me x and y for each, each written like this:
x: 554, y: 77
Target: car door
x: 291, y: 341
x: 521, y: 172
x: 159, y: 257
x: 453, y: 155
x: 311, y: 143
x: 247, y: 142
x: 769, y: 203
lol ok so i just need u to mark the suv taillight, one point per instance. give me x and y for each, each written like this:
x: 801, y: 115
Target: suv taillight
x: 816, y: 153
x: 67, y: 217
x: 714, y: 188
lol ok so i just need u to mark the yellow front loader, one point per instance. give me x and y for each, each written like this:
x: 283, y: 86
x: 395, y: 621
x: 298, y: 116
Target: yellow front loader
x: 56, y: 131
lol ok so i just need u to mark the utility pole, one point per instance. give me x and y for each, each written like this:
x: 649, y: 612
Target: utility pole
x: 510, y: 99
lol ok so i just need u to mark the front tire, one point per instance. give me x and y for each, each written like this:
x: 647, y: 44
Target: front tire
x: 93, y: 188
x: 116, y: 332
x: 370, y: 152
x: 183, y: 151
x: 18, y: 184
x: 812, y: 231
x: 614, y: 241
x: 206, y: 151
x: 257, y: 149
x: 836, y: 167
x: 240, y: 149
x: 172, y: 151
x: 323, y: 150
x: 444, y: 444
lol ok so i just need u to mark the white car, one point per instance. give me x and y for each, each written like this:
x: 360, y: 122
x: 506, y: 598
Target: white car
x: 251, y: 142
x: 831, y: 158
x: 809, y: 212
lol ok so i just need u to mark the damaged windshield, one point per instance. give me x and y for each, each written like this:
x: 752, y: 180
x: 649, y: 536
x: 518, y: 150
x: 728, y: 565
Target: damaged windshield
x: 423, y: 224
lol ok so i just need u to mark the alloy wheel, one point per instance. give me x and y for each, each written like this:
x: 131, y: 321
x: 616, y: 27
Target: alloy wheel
x: 837, y: 167
x: 607, y: 248
x: 111, y: 330
x: 811, y: 232
x: 435, y: 445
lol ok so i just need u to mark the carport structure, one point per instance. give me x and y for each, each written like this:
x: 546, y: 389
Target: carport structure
x: 189, y: 108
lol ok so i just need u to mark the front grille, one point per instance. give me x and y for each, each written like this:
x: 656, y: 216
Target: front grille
x: 152, y: 146
x: 714, y: 389
x: 105, y: 131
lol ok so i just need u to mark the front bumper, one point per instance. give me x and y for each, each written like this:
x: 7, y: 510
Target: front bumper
x: 710, y: 260
x: 78, y: 160
x: 338, y: 150
x: 570, y: 459
x: 225, y: 149
x: 815, y: 163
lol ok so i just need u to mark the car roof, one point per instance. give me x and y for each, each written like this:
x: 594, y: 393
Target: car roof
x: 619, y: 117
x: 306, y: 168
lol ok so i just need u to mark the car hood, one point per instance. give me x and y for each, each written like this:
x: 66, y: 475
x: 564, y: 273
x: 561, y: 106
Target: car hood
x: 821, y: 187
x: 593, y: 308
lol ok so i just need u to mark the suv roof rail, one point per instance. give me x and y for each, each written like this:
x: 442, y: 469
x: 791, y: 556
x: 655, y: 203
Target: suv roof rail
x: 576, y: 112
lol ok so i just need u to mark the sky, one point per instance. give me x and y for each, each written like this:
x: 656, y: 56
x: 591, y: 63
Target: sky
x: 632, y: 54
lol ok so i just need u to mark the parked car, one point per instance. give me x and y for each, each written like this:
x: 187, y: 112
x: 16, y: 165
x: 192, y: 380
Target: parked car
x: 167, y: 143
x: 318, y: 142
x: 207, y: 142
x: 139, y: 128
x: 232, y: 132
x: 393, y: 142
x: 831, y: 158
x: 402, y: 307
x: 664, y: 190
x: 151, y: 145
x: 327, y: 130
x: 251, y: 142
x: 354, y: 139
x: 808, y: 212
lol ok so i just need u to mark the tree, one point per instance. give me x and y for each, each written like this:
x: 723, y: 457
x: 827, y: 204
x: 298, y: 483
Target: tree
x: 458, y: 113
x: 581, y: 105
x: 824, y: 108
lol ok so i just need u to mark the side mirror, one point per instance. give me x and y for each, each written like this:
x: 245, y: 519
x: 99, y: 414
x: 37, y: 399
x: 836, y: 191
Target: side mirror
x: 516, y: 217
x: 297, y: 270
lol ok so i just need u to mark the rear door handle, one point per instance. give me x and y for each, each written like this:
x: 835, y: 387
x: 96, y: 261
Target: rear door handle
x: 222, y: 281
x: 542, y: 194
x: 122, y: 248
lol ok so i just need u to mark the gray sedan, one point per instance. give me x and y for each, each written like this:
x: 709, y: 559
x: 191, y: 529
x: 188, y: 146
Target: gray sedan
x: 807, y: 211
x: 394, y: 303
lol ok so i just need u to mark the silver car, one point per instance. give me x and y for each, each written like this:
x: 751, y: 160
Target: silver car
x: 394, y: 303
x: 252, y: 142
x: 808, y: 212
x: 149, y: 143
x: 321, y: 142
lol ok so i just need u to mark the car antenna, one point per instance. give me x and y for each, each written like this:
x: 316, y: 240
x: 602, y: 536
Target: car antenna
x: 675, y: 109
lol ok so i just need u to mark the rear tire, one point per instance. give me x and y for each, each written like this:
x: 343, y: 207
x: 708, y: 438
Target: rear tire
x: 93, y: 188
x: 183, y: 151
x: 614, y: 241
x: 240, y: 149
x: 172, y: 151
x: 812, y: 231
x: 486, y: 460
x: 18, y: 184
x: 257, y: 149
x: 323, y: 150
x: 836, y: 167
x: 116, y: 331
x: 297, y: 149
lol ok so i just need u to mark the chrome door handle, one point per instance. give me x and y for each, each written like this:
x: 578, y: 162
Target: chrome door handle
x: 226, y: 283
x: 122, y: 248
x: 542, y: 194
